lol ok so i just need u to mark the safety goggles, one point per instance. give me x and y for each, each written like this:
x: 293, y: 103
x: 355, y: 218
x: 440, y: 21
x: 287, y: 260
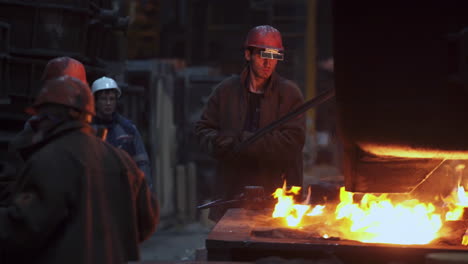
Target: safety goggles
x: 271, y: 54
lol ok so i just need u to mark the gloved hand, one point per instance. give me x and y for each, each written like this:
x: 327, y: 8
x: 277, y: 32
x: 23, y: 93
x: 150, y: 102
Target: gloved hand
x: 224, y: 141
x: 246, y: 135
x: 223, y: 145
x: 247, y: 150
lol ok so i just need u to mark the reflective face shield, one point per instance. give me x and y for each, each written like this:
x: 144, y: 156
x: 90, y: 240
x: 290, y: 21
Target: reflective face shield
x: 272, y: 54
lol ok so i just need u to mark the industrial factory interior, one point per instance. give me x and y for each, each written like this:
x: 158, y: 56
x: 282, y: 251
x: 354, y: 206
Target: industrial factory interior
x: 233, y: 131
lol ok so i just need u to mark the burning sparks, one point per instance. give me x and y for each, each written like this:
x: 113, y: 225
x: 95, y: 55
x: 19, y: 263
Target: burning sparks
x: 373, y: 219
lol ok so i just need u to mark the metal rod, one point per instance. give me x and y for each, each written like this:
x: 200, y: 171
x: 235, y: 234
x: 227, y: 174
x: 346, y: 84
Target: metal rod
x: 217, y: 203
x: 316, y: 101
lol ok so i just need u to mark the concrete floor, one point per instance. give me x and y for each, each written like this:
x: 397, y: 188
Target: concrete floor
x: 175, y: 243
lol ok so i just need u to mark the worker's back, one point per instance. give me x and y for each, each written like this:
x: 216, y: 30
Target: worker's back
x: 95, y: 201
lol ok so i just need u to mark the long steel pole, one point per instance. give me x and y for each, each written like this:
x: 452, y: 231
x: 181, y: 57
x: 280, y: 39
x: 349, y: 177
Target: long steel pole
x: 314, y: 102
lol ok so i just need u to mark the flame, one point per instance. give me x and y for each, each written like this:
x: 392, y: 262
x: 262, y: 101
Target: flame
x: 286, y: 208
x: 456, y: 201
x: 373, y: 219
x: 377, y: 220
x: 317, y: 210
x: 405, y: 151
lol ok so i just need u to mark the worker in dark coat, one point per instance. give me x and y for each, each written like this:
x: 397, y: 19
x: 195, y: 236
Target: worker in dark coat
x: 56, y: 67
x: 17, y: 149
x: 240, y: 106
x: 77, y: 199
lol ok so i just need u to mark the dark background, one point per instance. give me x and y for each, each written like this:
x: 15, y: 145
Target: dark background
x: 166, y: 55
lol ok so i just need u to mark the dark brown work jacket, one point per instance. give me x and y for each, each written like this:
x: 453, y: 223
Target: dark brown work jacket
x: 276, y: 153
x: 77, y: 200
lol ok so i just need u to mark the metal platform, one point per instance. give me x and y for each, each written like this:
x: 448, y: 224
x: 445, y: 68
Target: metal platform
x: 232, y: 240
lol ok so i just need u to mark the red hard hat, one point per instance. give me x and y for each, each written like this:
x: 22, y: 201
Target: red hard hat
x: 64, y: 66
x: 68, y: 91
x: 266, y: 37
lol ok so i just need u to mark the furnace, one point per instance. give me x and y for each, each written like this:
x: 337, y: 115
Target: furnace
x: 358, y: 228
x: 401, y: 85
x: 401, y: 91
x: 235, y: 238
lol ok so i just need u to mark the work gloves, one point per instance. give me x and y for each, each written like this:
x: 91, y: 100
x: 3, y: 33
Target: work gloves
x: 246, y: 135
x: 225, y: 143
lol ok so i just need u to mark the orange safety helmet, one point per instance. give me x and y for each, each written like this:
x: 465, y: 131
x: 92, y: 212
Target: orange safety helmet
x: 265, y: 37
x: 67, y: 91
x: 61, y: 66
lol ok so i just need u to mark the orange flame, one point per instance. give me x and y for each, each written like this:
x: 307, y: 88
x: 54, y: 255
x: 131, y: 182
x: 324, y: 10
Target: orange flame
x: 286, y: 208
x: 375, y: 219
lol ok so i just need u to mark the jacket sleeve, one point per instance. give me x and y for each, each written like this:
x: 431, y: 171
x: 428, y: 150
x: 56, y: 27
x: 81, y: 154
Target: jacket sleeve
x: 141, y: 158
x: 148, y: 212
x: 288, y: 139
x: 146, y: 203
x: 207, y: 128
x: 38, y: 207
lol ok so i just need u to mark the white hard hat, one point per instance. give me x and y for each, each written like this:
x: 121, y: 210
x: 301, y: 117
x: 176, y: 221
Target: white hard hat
x: 105, y: 83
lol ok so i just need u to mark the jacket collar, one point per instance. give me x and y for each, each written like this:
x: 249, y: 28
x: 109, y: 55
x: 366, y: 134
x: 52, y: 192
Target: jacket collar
x: 245, y: 79
x: 100, y: 121
x: 57, y: 131
x: 70, y: 125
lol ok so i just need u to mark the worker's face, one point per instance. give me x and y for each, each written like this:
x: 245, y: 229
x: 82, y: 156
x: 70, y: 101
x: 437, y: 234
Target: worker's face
x: 106, y: 103
x: 261, y: 68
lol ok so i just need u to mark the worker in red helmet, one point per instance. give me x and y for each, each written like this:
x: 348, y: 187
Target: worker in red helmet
x: 56, y: 67
x: 241, y: 105
x: 67, y: 206
x: 60, y: 66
